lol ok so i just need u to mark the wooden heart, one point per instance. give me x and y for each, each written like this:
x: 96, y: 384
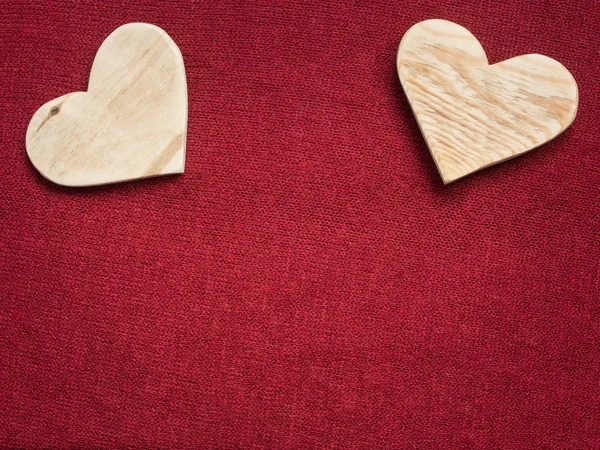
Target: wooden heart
x: 131, y: 123
x: 472, y: 114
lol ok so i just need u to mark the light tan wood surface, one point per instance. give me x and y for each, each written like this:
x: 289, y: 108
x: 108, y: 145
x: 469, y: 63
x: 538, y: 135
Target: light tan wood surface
x: 131, y: 123
x: 472, y: 114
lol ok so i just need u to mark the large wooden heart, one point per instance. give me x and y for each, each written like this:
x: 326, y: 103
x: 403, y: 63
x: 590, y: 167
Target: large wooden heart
x: 472, y: 114
x: 131, y: 123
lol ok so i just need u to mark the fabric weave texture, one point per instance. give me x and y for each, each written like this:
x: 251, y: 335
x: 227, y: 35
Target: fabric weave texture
x: 308, y: 282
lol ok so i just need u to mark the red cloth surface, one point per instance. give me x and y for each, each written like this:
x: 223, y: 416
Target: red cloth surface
x: 308, y: 282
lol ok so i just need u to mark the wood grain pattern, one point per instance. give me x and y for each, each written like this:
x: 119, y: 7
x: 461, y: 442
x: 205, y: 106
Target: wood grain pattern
x: 472, y: 114
x: 131, y: 123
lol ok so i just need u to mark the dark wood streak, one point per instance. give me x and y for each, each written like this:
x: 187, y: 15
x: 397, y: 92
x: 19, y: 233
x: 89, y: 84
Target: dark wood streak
x: 50, y: 115
x: 164, y: 156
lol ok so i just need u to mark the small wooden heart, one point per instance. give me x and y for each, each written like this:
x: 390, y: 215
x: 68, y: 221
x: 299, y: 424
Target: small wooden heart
x: 131, y: 123
x: 472, y: 114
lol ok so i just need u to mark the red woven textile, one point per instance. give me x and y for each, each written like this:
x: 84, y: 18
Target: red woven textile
x: 308, y: 282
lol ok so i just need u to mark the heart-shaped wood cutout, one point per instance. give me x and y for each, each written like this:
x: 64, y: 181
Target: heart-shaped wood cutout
x: 131, y: 123
x: 472, y: 114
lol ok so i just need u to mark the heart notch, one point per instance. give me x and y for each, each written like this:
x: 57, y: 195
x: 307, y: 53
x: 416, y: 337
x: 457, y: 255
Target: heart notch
x: 131, y: 123
x: 472, y: 114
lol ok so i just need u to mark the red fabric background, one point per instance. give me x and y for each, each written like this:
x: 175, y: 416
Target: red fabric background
x: 308, y: 282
